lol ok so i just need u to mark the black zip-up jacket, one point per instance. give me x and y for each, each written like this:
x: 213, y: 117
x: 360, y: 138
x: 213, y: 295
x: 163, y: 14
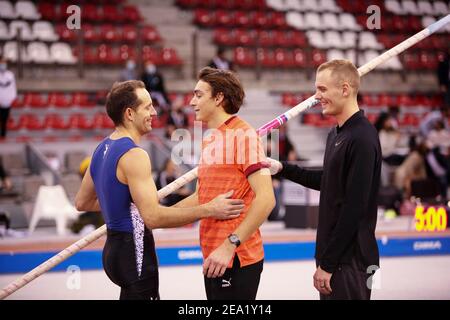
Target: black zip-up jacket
x: 348, y: 185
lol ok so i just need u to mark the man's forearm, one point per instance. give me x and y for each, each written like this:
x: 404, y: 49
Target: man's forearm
x: 308, y: 178
x: 187, y: 202
x: 169, y: 217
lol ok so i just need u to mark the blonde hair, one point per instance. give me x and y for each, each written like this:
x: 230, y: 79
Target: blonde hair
x: 342, y: 71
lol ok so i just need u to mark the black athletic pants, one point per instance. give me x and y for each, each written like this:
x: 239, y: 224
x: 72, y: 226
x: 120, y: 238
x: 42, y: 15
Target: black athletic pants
x: 236, y: 283
x: 349, y: 282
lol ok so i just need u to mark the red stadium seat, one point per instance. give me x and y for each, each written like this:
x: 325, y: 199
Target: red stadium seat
x: 297, y: 38
x: 90, y: 33
x: 149, y: 34
x: 112, y: 14
x: 131, y: 14
x: 62, y: 13
x: 266, y: 38
x: 19, y: 102
x: 129, y: 33
x: 288, y: 99
x: 204, y: 18
x: 55, y: 121
x: 102, y: 121
x: 411, y: 60
x: 318, y: 57
x: 110, y: 33
x: 224, y: 37
x: 150, y: 54
x: 224, y: 18
x: 80, y: 121
x: 227, y: 4
x: 283, y: 58
x: 266, y: 57
x: 47, y: 11
x: 13, y: 124
x: 170, y: 57
x: 405, y: 100
x: 261, y: 20
x: 242, y: 19
x: 278, y: 20
x: 244, y: 57
x: 127, y: 52
x: 92, y: 13
x: 30, y: 122
x: 36, y: 100
x: 410, y: 120
x: 65, y: 33
x: 428, y: 60
x: 282, y: 38
x: 300, y: 58
x: 60, y: 100
x: 108, y: 55
x: 244, y: 37
x: 189, y: 3
x: 82, y: 99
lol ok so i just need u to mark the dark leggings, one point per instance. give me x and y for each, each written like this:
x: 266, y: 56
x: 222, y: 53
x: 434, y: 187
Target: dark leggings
x: 119, y: 263
x: 237, y: 283
x: 4, y: 115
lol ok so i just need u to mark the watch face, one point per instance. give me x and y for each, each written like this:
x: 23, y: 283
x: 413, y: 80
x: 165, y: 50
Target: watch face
x: 234, y: 238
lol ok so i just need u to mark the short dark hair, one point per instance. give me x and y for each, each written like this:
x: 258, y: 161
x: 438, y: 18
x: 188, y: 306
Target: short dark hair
x: 121, y: 96
x: 225, y: 82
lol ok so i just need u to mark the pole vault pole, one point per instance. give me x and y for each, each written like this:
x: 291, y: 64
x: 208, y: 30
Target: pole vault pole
x: 192, y: 174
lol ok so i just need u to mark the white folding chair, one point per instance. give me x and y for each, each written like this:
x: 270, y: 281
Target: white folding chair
x: 52, y: 203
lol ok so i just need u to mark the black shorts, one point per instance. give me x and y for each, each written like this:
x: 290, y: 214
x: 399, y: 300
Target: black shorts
x: 119, y: 263
x: 236, y: 283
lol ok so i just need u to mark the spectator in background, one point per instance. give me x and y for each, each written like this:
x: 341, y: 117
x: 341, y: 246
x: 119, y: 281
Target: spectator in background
x: 390, y: 139
x: 443, y: 77
x: 154, y: 83
x: 178, y: 119
x: 394, y: 113
x: 439, y: 137
x: 429, y: 121
x: 220, y: 61
x: 413, y: 168
x: 129, y: 72
x: 438, y: 143
x: 168, y: 174
x: 8, y: 92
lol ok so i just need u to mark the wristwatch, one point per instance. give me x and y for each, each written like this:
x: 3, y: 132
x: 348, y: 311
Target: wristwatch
x: 234, y: 239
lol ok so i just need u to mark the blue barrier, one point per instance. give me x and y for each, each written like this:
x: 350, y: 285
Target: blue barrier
x: 191, y: 255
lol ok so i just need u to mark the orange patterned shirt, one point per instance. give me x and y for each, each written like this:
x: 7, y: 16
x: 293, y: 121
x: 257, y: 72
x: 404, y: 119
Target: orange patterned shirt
x: 229, y: 155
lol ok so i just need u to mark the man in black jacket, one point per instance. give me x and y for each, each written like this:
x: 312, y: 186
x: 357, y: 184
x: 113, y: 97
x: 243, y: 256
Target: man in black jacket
x: 346, y: 248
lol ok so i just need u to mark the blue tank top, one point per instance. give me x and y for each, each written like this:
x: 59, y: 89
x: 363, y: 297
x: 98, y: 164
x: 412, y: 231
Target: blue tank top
x: 114, y: 196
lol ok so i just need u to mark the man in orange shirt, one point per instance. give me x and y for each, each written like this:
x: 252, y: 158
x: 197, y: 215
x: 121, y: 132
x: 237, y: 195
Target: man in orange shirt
x: 232, y: 159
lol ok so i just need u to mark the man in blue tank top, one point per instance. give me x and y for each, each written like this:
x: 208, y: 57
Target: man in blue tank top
x: 119, y: 183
